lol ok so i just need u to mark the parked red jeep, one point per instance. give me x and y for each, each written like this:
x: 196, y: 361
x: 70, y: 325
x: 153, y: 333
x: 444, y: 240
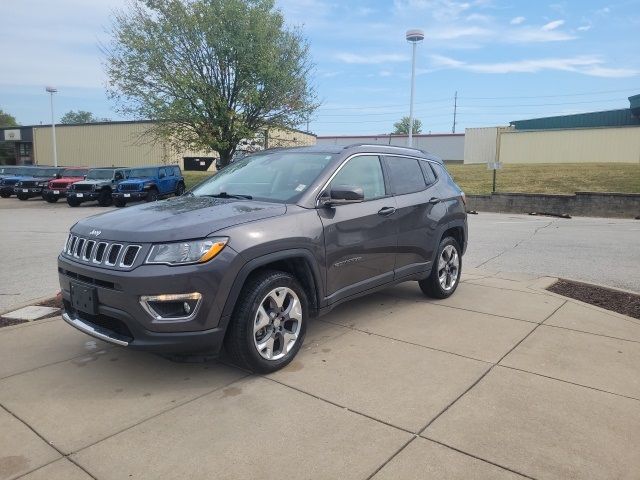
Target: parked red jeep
x: 57, y: 188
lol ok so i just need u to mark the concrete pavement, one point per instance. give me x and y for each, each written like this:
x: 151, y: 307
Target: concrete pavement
x: 503, y: 380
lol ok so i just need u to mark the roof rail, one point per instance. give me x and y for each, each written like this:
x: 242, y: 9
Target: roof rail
x: 388, y: 146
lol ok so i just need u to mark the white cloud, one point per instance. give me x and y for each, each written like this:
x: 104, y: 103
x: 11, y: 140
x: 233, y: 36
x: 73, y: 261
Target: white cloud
x: 517, y: 20
x: 452, y: 33
x: 355, y: 58
x: 385, y: 73
x: 585, y: 64
x: 552, y: 25
x: 584, y: 28
x: 535, y: 35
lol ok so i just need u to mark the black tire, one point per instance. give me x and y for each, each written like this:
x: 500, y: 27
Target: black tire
x: 432, y: 286
x: 240, y: 340
x: 152, y: 196
x: 22, y: 196
x: 5, y: 195
x: 51, y: 199
x: 105, y: 199
x: 118, y: 202
x: 180, y: 189
x: 73, y: 202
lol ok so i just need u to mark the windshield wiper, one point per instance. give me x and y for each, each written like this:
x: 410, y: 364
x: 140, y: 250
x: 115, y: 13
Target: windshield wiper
x: 230, y: 195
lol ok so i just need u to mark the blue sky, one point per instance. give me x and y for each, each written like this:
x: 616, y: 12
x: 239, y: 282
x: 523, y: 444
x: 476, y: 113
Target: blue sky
x: 507, y: 60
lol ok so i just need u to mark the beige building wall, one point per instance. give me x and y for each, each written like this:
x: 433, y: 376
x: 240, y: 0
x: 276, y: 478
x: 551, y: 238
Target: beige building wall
x: 123, y: 144
x: 588, y: 145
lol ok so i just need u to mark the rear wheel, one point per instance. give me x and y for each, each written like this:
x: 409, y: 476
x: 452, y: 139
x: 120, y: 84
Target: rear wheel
x: 73, y: 202
x: 105, y: 200
x: 445, y: 273
x: 268, y: 324
x: 180, y: 189
x: 152, y: 196
x: 5, y: 195
x: 118, y: 202
x: 51, y: 199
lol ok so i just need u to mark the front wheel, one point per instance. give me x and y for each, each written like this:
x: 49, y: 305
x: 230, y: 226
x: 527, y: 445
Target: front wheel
x: 180, y: 190
x: 445, y: 273
x: 118, y: 202
x: 268, y: 324
x: 73, y: 202
x: 152, y: 196
x: 105, y: 200
x: 22, y: 196
x: 51, y: 199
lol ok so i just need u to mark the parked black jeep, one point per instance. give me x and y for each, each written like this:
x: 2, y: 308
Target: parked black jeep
x: 247, y: 257
x: 99, y: 185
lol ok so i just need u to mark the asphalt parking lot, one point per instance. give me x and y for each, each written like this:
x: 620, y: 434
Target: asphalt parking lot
x: 598, y: 250
x: 502, y: 380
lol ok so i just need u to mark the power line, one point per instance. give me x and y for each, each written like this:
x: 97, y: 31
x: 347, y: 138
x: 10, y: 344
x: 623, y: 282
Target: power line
x: 552, y: 96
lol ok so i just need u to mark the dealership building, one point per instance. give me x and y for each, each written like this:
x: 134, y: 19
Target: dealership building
x: 611, y: 136
x: 123, y: 144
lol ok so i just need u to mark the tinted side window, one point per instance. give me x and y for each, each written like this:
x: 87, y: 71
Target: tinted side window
x: 429, y: 176
x: 364, y: 171
x: 406, y: 175
x: 176, y: 171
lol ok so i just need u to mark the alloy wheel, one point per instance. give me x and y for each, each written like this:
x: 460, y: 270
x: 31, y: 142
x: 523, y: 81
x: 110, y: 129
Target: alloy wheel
x: 448, y: 267
x: 277, y: 323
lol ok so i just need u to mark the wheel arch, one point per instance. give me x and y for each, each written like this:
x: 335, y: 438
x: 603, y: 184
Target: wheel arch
x: 298, y: 262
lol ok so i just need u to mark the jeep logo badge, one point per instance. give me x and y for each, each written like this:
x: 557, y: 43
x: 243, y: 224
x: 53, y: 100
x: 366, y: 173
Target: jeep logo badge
x: 95, y: 232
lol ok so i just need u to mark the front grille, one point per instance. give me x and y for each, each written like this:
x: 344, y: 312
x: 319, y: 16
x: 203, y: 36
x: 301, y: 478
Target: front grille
x: 93, y: 281
x: 129, y: 187
x: 104, y: 321
x: 58, y: 185
x: 9, y: 182
x: 82, y: 187
x: 101, y: 253
x: 29, y: 183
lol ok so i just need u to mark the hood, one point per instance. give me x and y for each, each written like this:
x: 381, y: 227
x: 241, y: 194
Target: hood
x: 135, y: 181
x: 66, y: 180
x: 179, y: 218
x: 90, y: 182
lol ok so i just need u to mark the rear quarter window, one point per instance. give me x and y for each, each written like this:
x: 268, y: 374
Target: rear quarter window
x: 405, y: 174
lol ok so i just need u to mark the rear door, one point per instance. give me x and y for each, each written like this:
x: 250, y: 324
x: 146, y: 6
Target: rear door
x: 417, y: 216
x: 164, y: 181
x: 360, y: 238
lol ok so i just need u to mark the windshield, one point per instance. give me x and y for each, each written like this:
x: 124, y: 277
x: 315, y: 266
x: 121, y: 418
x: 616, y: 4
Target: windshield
x: 280, y: 176
x: 99, y: 174
x: 74, y: 172
x: 7, y: 170
x: 44, y: 172
x: 143, y: 172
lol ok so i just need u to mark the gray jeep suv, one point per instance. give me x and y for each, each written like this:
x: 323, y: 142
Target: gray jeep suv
x: 246, y: 258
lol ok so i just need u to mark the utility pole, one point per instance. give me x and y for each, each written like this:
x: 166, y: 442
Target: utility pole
x: 413, y: 37
x: 51, y: 91
x: 455, y: 112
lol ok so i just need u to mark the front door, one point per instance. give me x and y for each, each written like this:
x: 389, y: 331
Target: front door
x: 360, y: 238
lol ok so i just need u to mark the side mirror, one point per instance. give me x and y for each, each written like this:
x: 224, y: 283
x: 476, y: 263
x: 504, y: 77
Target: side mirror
x: 343, y: 195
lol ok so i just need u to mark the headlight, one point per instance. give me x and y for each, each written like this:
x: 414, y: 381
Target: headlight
x: 183, y: 253
x: 43, y: 184
x: 19, y: 184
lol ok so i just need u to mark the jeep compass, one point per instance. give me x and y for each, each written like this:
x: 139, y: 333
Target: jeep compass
x: 246, y: 258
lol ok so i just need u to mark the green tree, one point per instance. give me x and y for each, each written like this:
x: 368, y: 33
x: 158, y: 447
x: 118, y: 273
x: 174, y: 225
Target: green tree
x: 402, y: 127
x: 80, y: 116
x: 7, y: 120
x: 209, y: 72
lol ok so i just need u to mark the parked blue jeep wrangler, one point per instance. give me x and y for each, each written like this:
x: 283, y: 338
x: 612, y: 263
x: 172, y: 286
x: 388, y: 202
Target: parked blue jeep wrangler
x: 149, y: 184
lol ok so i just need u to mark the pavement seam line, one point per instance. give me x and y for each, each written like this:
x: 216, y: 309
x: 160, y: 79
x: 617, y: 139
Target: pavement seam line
x: 406, y: 342
x: 591, y: 333
x: 41, y: 437
x: 487, y: 372
x: 394, y: 455
x: 569, y: 382
x: 343, y: 407
x: 157, y: 415
x: 529, y: 291
x: 517, y: 243
x: 478, y: 458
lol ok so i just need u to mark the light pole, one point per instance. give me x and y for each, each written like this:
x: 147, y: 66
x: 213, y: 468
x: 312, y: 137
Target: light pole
x: 51, y: 91
x: 413, y: 36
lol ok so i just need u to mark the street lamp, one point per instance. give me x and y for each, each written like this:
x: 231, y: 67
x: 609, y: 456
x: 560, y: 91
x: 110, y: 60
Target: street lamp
x: 51, y: 91
x: 413, y: 36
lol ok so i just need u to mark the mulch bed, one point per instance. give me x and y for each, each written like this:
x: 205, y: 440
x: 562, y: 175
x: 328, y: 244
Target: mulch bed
x: 55, y: 302
x: 614, y: 300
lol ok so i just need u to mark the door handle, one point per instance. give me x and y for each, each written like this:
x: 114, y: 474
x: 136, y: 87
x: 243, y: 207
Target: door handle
x: 434, y: 200
x: 386, y: 211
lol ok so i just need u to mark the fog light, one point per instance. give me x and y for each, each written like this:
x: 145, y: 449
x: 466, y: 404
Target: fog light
x: 171, y: 307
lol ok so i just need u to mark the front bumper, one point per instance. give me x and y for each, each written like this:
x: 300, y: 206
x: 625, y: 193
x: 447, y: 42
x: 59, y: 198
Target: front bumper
x: 83, y: 196
x: 7, y: 190
x: 130, y: 196
x: 54, y: 192
x: 28, y: 191
x: 119, y: 318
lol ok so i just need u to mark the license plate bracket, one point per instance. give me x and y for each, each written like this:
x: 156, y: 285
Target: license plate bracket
x: 84, y: 298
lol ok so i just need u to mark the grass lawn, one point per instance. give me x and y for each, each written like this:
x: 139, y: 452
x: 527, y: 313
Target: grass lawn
x: 193, y: 178
x: 550, y: 178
